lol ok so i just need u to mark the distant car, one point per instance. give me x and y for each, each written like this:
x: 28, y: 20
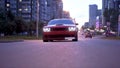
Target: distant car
x: 88, y: 34
x: 60, y: 29
x: 109, y: 33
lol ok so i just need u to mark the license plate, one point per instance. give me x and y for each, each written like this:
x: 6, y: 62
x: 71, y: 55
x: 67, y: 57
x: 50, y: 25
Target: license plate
x: 69, y: 38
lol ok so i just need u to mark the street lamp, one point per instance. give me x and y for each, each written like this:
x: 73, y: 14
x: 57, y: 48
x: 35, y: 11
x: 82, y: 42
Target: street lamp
x: 119, y: 25
x: 37, y: 19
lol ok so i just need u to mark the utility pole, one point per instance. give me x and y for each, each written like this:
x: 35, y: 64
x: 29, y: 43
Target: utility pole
x: 119, y: 25
x: 37, y: 19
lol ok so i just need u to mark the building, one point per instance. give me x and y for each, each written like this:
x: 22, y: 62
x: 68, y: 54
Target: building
x: 2, y: 5
x: 24, y: 9
x: 117, y: 5
x: 20, y: 8
x: 50, y: 9
x: 27, y: 9
x: 92, y: 14
x: 34, y: 10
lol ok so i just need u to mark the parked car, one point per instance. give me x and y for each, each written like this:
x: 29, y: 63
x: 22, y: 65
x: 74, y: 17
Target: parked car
x: 60, y: 29
x: 88, y: 34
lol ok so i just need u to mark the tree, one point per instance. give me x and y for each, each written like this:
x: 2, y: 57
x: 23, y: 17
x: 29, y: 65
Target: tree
x: 10, y: 16
x: 20, y: 25
x: 11, y: 25
x: 3, y: 21
x: 114, y: 19
x: 111, y: 15
x: 106, y: 14
x: 31, y: 27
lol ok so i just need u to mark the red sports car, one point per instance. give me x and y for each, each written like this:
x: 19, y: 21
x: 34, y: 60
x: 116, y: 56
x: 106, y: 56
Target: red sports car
x: 60, y: 29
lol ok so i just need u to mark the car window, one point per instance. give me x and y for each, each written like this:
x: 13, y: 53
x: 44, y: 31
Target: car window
x: 54, y: 22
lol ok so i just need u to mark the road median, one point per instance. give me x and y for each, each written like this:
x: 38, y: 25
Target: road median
x: 111, y: 38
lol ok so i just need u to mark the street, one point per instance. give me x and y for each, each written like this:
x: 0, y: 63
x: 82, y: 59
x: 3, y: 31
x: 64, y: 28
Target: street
x: 86, y: 53
x: 59, y: 33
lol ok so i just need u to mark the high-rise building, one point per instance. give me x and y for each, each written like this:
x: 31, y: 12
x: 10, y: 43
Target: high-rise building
x: 27, y: 9
x: 2, y: 5
x: 20, y: 8
x: 104, y: 3
x: 117, y: 4
x: 50, y: 9
x: 34, y: 10
x: 92, y: 14
x: 107, y: 4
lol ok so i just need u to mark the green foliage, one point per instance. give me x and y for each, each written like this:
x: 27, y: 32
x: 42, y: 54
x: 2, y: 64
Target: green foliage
x: 20, y: 25
x: 111, y: 15
x: 10, y: 24
x: 10, y: 16
x: 106, y: 14
x: 3, y: 23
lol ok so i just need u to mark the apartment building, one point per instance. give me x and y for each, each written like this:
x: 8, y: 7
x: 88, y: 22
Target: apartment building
x: 27, y: 9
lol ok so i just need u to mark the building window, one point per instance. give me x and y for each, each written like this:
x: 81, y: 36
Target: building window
x: 7, y: 5
x: 20, y: 9
x: 46, y: 3
x: 26, y: 9
x: 20, y: 0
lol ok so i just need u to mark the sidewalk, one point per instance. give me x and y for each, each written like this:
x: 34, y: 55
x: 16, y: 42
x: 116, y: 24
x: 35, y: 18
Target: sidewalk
x: 98, y: 36
x: 111, y: 38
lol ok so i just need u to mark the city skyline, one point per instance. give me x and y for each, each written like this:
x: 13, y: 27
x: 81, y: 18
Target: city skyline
x: 74, y: 7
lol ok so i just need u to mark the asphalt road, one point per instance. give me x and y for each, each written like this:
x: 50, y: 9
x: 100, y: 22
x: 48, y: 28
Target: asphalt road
x: 86, y: 53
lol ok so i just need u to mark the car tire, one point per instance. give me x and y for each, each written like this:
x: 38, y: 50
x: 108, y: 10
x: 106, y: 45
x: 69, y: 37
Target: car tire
x: 45, y: 40
x: 51, y: 40
x: 76, y: 39
x: 91, y: 37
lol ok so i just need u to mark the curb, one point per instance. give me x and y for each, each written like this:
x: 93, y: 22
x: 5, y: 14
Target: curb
x: 10, y: 41
x: 110, y: 38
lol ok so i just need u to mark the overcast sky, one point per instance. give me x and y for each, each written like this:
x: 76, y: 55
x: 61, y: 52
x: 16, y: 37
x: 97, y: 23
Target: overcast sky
x: 79, y: 9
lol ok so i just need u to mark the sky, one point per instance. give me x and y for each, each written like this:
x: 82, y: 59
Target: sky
x: 79, y: 9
